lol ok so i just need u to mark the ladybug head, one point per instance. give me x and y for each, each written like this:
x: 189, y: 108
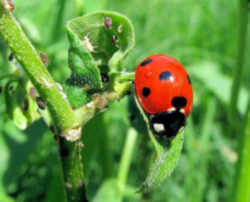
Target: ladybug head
x: 167, y: 124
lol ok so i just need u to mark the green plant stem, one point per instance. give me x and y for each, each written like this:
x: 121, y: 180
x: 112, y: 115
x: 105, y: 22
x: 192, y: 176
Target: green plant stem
x: 66, y: 123
x: 57, y: 26
x: 126, y: 158
x: 101, y: 101
x: 242, y: 36
x: 107, y: 157
x: 72, y: 164
x: 27, y: 56
x: 242, y: 178
x: 127, y: 77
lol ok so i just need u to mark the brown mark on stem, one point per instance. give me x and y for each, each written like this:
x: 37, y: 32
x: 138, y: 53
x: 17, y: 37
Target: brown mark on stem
x: 9, y: 5
x: 44, y: 58
x: 68, y: 185
x: 33, y: 93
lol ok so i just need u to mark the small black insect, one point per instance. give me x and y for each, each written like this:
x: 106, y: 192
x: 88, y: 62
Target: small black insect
x: 40, y: 103
x: 104, y: 77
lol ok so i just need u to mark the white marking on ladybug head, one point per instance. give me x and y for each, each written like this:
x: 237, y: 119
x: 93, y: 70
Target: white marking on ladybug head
x: 182, y: 111
x: 171, y: 109
x: 159, y: 127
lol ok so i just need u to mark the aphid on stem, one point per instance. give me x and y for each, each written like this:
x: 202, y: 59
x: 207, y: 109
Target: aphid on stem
x: 108, y: 22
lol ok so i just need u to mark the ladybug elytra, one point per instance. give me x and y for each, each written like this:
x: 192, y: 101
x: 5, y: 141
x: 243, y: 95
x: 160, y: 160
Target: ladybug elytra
x: 164, y: 91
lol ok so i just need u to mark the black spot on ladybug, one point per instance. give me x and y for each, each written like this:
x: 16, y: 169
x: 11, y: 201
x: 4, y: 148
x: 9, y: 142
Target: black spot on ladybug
x: 105, y: 77
x: 145, y: 91
x: 165, y: 76
x: 145, y: 62
x: 179, y: 102
x: 189, y: 79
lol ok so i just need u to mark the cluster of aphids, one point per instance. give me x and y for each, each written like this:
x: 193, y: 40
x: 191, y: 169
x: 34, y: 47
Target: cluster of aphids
x: 108, y: 25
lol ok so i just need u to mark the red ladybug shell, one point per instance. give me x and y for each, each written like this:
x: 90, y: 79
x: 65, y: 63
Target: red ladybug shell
x: 161, y: 84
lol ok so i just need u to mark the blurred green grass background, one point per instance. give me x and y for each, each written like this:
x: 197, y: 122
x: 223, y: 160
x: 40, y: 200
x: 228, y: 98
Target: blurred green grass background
x: 202, y: 35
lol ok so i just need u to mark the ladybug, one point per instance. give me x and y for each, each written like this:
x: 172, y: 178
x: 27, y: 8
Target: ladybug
x: 164, y: 91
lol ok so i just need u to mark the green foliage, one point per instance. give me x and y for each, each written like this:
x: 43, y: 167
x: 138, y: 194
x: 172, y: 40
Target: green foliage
x: 84, y: 69
x: 164, y: 164
x: 13, y: 92
x: 108, y: 36
x: 109, y: 191
x: 220, y: 85
x: 98, y: 43
x: 242, y: 193
x: 167, y: 154
x: 202, y: 35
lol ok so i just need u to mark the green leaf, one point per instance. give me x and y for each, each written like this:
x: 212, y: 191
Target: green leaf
x: 56, y: 190
x: 98, y: 43
x: 6, y: 198
x: 94, y: 5
x: 19, y: 119
x: 166, y: 157
x: 108, y: 36
x: 76, y: 95
x: 220, y: 84
x: 84, y: 69
x: 32, y: 111
x: 13, y: 97
x: 109, y: 192
x: 16, y: 147
x: 164, y: 163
